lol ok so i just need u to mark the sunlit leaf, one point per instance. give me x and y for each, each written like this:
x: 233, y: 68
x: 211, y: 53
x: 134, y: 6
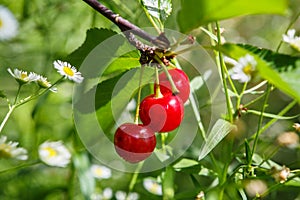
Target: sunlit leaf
x: 159, y: 9
x: 184, y: 163
x: 218, y: 132
x: 195, y: 13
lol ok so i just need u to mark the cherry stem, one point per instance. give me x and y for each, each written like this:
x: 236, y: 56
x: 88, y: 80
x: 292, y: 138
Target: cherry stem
x: 136, y: 118
x: 158, y: 94
x: 174, y: 88
x: 125, y: 25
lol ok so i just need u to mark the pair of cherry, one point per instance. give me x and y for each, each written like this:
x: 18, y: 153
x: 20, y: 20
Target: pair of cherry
x: 159, y: 112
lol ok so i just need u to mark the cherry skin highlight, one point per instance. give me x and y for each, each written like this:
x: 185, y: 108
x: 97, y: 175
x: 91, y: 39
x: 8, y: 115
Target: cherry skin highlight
x: 161, y: 114
x: 180, y: 80
x: 134, y: 142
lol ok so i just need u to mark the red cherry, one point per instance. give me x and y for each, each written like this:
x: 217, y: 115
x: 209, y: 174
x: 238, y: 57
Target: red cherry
x: 181, y: 82
x: 133, y: 142
x: 161, y: 114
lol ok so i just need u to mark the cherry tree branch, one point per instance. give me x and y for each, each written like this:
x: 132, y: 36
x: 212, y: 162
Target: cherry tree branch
x: 161, y: 41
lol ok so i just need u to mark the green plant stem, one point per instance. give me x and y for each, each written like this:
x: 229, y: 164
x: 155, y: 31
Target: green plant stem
x: 158, y: 94
x: 18, y: 93
x: 239, y: 98
x: 286, y: 30
x: 151, y: 20
x: 20, y: 167
x: 272, y: 121
x: 163, y: 142
x: 174, y: 89
x: 134, y: 178
x: 136, y: 118
x: 11, y: 109
x: 258, y: 132
x: 223, y: 76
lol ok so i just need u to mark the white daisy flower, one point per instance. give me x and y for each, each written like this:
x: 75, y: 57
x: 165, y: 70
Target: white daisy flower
x: 244, y: 68
x: 151, y: 185
x: 106, y: 194
x: 22, y: 77
x: 54, y: 154
x: 100, y: 172
x: 8, y: 24
x: 44, y: 83
x: 67, y: 70
x: 291, y: 39
x: 121, y: 195
x: 10, y: 150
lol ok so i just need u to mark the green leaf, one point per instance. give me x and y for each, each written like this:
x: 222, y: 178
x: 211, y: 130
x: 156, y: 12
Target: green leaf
x: 248, y: 151
x: 159, y: 9
x: 86, y: 179
x: 218, y: 132
x: 93, y: 38
x: 184, y: 163
x: 280, y: 70
x: 168, y: 183
x: 123, y: 63
x: 273, y: 116
x: 113, y: 95
x: 195, y: 13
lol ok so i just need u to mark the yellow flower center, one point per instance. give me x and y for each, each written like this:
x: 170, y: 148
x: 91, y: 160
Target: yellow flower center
x: 154, y: 188
x: 1, y: 23
x: 247, y: 69
x: 23, y: 76
x: 51, y: 151
x: 68, y: 71
x: 99, y: 171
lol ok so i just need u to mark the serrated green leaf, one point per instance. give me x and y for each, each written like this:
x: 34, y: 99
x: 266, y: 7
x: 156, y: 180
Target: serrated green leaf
x: 218, y: 132
x: 159, y: 9
x: 123, y: 63
x: 273, y: 116
x: 195, y: 13
x: 93, y: 38
x: 168, y: 183
x: 184, y: 163
x: 86, y: 179
x: 280, y: 70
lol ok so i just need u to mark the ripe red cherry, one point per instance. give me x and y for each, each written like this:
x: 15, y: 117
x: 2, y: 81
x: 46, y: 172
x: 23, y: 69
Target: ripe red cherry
x: 161, y: 114
x: 181, y: 82
x: 133, y: 142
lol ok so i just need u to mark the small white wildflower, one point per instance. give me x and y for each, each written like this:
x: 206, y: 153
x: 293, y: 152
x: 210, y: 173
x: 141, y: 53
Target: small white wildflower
x: 8, y: 24
x: 288, y: 139
x: 44, y: 83
x: 100, y: 172
x: 243, y: 69
x: 22, y: 77
x: 67, y: 70
x: 133, y: 196
x: 255, y: 188
x: 10, y: 150
x: 106, y: 194
x: 54, y: 154
x: 152, y: 186
x: 291, y: 39
x: 281, y: 175
x: 120, y: 195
